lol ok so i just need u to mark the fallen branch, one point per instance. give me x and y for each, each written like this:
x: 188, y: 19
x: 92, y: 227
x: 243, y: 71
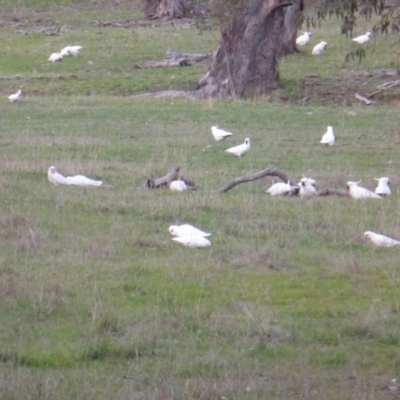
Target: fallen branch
x: 180, y: 62
x: 329, y: 192
x: 175, y: 58
x: 384, y: 86
x: 165, y: 180
x: 363, y: 98
x: 157, y: 183
x: 270, y: 171
x: 171, y: 94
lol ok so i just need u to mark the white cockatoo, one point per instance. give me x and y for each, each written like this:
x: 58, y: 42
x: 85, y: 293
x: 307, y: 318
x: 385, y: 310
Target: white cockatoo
x: 186, y: 230
x: 54, y: 177
x: 220, y: 134
x: 303, y: 39
x: 65, y: 51
x: 328, y: 138
x: 307, y: 188
x: 358, y: 192
x: 54, y: 57
x: 70, y: 51
x: 319, y: 48
x: 380, y: 240
x: 178, y: 186
x: 383, y: 188
x: 16, y: 96
x: 363, y: 38
x: 240, y: 150
x: 193, y: 241
x: 279, y: 189
x: 78, y: 180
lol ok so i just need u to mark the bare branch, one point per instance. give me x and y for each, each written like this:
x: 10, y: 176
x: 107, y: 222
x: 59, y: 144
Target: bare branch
x: 164, y: 180
x: 329, y: 192
x: 270, y: 171
x: 363, y: 98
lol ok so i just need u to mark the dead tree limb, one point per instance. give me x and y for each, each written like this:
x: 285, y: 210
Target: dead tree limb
x: 360, y: 97
x: 175, y: 58
x: 165, y: 180
x: 329, y: 192
x: 157, y: 183
x: 270, y: 171
x: 383, y: 87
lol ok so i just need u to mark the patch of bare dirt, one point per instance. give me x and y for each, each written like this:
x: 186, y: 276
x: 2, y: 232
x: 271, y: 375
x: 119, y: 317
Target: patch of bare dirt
x: 341, y: 91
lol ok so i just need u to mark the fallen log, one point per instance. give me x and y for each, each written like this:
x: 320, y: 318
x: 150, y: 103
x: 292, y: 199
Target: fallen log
x: 157, y: 183
x: 270, y: 171
x: 329, y: 192
x: 175, y: 58
x: 273, y: 171
x: 360, y: 97
x: 179, y: 62
x: 384, y: 86
x: 165, y: 180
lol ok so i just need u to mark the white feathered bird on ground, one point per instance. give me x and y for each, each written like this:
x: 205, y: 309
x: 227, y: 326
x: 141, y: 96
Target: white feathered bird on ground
x: 54, y: 177
x: 220, y: 134
x: 16, y: 96
x: 303, y: 39
x: 178, y: 186
x: 193, y: 241
x: 78, y: 180
x: 358, y: 192
x: 328, y: 138
x: 279, y: 189
x: 383, y: 188
x: 186, y: 230
x: 54, y: 57
x: 363, y: 38
x: 307, y: 188
x: 71, y: 51
x: 240, y: 150
x: 319, y: 48
x: 381, y: 240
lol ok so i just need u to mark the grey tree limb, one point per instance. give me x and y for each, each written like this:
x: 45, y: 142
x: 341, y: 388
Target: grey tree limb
x: 329, y: 192
x: 270, y: 171
x: 164, y: 180
x: 273, y: 171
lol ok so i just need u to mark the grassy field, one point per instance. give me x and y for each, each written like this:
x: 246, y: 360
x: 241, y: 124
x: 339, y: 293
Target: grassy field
x: 97, y: 302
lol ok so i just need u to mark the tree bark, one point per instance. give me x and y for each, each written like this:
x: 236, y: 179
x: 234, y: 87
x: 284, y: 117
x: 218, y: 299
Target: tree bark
x: 288, y: 30
x: 245, y: 64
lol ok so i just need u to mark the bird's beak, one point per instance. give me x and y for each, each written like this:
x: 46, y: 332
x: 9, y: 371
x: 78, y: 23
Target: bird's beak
x: 376, y: 179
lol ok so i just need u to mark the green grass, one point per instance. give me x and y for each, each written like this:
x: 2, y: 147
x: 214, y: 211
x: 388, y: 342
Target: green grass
x: 97, y: 302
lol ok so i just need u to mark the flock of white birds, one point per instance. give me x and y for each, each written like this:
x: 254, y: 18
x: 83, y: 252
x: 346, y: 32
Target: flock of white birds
x: 54, y: 57
x: 66, y: 51
x: 189, y: 235
x: 320, y: 48
x: 193, y: 237
x: 307, y: 189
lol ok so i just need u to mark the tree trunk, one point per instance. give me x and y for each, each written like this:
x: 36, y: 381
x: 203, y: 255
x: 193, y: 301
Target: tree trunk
x: 288, y: 32
x: 245, y: 64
